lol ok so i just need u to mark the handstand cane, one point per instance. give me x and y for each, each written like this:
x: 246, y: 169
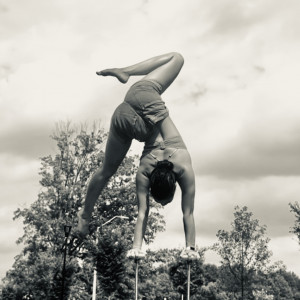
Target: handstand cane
x: 188, y: 279
x: 136, y: 277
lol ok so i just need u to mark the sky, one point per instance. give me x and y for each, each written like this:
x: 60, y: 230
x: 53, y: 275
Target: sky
x: 235, y: 102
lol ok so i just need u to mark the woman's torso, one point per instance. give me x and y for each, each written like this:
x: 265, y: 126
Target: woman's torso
x: 165, y: 150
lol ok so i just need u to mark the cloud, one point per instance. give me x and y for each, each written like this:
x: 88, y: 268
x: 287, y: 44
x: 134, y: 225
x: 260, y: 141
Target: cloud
x: 7, y: 258
x: 9, y: 233
x: 17, y: 16
x: 231, y: 17
x: 257, y: 151
x: 232, y: 20
x: 30, y: 140
x: 287, y: 248
x: 246, y: 124
x: 267, y: 198
x: 19, y: 187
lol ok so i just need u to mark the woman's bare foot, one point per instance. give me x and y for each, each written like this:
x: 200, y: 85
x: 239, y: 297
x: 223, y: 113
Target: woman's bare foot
x: 122, y: 76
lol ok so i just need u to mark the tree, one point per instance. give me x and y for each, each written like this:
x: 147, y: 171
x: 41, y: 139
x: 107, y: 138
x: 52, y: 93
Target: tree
x: 211, y: 288
x: 64, y: 177
x: 282, y: 284
x: 244, y: 252
x: 262, y: 295
x: 38, y: 278
x: 293, y: 281
x: 295, y: 208
x: 154, y: 280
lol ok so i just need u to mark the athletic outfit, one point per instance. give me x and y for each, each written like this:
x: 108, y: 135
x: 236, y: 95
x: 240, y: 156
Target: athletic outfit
x: 136, y: 117
x: 175, y: 142
x: 141, y: 110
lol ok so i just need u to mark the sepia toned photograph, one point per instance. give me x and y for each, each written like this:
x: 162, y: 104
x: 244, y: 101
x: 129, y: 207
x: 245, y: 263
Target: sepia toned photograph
x: 150, y: 150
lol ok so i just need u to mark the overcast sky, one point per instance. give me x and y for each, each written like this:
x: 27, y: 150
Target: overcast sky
x: 236, y: 101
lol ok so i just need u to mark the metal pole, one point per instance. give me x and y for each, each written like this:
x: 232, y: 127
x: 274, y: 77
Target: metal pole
x: 94, y: 284
x: 188, y: 280
x: 63, y: 274
x: 136, y: 278
x: 120, y: 217
x: 67, y: 230
x: 242, y: 277
x: 95, y: 273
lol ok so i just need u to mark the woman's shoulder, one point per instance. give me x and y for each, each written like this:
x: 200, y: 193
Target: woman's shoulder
x: 180, y: 158
x: 147, y: 164
x: 182, y: 162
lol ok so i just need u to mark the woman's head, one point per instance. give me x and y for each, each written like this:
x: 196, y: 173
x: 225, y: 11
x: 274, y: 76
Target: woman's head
x: 163, y: 182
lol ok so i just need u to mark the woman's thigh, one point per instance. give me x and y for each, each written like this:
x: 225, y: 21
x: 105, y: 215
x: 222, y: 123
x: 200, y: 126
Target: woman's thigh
x: 167, y: 128
x: 166, y: 73
x: 116, y: 150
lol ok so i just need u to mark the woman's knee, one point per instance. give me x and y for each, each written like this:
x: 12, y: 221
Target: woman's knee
x: 175, y: 58
x: 178, y: 58
x: 103, y: 174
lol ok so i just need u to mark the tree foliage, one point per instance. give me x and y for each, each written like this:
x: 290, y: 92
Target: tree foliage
x: 243, y: 250
x: 36, y: 273
x: 178, y: 274
x: 295, y: 208
x: 64, y: 177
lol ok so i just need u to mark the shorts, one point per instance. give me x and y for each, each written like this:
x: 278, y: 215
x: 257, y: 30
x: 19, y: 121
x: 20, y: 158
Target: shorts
x: 141, y: 110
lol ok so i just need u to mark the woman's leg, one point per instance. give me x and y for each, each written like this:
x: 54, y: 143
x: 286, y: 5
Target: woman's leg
x: 115, y: 152
x: 163, y: 69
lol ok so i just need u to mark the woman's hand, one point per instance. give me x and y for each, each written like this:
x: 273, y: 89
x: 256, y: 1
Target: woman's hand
x: 189, y: 254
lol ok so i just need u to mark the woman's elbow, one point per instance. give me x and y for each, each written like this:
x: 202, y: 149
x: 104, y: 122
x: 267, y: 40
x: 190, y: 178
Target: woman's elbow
x: 143, y: 214
x: 188, y: 213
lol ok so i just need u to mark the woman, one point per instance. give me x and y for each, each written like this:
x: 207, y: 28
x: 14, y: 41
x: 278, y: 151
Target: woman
x: 165, y: 159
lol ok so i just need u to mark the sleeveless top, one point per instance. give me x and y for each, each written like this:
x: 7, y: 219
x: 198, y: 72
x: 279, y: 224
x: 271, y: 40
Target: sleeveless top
x: 175, y: 142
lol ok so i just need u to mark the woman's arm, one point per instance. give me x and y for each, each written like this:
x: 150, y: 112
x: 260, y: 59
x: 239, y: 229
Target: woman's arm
x: 187, y: 185
x: 142, y: 191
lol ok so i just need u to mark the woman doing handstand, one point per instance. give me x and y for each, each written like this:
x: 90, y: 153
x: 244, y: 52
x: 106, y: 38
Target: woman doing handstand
x: 165, y: 159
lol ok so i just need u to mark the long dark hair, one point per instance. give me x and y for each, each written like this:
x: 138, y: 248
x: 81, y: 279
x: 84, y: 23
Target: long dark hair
x: 163, y: 181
